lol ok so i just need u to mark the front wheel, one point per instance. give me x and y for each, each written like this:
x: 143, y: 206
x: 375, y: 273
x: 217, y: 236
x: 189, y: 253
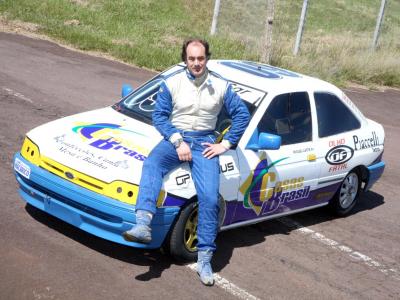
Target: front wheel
x: 346, y: 196
x: 182, y: 242
x: 183, y: 239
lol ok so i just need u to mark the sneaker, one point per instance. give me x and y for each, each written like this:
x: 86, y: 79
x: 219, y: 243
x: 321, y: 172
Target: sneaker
x: 139, y: 234
x: 204, y: 269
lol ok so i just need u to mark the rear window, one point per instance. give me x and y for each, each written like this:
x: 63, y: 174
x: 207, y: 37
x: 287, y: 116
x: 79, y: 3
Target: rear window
x: 333, y: 115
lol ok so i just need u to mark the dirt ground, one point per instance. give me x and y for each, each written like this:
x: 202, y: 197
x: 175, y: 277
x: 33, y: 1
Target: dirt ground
x: 311, y: 255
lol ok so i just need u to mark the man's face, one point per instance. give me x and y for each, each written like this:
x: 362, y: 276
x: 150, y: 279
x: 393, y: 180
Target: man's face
x: 196, y: 59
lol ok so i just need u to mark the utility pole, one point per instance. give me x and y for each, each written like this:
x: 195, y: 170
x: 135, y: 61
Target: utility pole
x: 215, y: 17
x: 378, y: 25
x: 267, y: 49
x: 301, y: 26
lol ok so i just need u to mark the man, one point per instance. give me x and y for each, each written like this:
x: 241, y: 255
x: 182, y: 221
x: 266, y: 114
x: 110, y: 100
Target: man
x: 186, y: 111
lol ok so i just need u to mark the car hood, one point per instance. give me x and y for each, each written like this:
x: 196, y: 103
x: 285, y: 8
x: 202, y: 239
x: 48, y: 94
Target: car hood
x: 103, y: 144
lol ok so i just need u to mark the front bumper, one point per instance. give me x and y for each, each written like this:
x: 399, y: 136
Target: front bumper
x: 94, y: 213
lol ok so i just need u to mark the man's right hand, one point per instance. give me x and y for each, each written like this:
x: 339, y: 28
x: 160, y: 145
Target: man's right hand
x: 184, y: 152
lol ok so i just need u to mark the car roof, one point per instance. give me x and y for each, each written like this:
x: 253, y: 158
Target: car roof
x: 263, y: 77
x: 266, y: 77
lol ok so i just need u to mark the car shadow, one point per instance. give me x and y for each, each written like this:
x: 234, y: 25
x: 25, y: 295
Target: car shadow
x: 156, y: 259
x: 227, y: 241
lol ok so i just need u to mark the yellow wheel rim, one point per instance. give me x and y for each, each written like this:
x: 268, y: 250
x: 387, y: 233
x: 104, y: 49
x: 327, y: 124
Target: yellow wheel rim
x: 190, y: 234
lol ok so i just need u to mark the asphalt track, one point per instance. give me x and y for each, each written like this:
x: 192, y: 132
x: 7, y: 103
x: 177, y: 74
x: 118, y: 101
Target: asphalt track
x: 308, y: 256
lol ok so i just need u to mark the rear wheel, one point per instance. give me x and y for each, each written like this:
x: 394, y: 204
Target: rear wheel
x: 346, y: 196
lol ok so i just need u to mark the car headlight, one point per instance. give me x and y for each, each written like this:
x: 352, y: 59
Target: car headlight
x: 30, y: 151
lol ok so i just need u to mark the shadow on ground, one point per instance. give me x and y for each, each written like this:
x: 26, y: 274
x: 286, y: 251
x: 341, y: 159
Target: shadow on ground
x: 158, y: 261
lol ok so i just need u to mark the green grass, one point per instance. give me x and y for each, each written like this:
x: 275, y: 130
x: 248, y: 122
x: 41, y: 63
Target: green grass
x: 149, y: 33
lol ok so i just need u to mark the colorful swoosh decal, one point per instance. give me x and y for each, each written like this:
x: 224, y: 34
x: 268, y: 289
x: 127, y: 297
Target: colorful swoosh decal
x: 256, y: 180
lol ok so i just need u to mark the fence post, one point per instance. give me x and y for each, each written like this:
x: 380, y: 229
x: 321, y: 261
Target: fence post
x: 301, y: 26
x: 267, y: 49
x: 215, y: 17
x: 378, y: 25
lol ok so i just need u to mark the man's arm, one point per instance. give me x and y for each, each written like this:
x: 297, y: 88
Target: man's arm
x: 161, y: 114
x: 240, y: 119
x: 239, y: 114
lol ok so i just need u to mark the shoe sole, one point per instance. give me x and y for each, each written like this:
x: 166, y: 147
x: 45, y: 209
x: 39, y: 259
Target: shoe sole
x: 131, y: 238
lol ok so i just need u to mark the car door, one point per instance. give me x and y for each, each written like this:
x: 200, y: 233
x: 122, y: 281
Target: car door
x: 279, y: 181
x: 339, y: 126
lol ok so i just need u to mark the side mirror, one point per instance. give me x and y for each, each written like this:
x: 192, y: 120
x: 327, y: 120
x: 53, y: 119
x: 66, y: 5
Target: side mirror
x: 265, y: 141
x: 126, y: 90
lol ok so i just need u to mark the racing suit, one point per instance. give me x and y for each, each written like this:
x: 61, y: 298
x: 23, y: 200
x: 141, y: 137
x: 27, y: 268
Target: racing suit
x: 188, y: 108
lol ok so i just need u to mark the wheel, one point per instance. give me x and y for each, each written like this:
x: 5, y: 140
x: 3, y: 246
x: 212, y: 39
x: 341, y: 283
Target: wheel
x: 182, y: 243
x: 346, y: 196
x: 183, y: 239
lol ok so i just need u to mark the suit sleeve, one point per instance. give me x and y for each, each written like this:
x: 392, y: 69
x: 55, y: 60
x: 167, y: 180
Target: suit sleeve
x: 239, y: 114
x: 162, y: 112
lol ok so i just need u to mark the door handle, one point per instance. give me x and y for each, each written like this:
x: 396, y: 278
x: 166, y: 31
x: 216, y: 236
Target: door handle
x: 311, y: 157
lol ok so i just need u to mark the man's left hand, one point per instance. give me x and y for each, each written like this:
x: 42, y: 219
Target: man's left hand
x: 213, y: 150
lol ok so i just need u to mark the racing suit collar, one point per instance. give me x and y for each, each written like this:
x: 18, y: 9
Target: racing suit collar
x: 197, y: 81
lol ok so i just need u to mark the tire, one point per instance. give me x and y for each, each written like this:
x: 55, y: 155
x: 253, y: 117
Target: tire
x: 347, y: 195
x: 182, y: 242
x: 183, y: 239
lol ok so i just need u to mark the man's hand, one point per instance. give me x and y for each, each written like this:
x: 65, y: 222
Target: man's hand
x: 213, y: 150
x: 184, y: 152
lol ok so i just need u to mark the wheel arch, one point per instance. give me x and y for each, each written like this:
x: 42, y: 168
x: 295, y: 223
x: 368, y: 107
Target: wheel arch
x: 363, y: 174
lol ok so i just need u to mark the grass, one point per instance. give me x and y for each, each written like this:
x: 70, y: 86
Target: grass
x: 149, y: 33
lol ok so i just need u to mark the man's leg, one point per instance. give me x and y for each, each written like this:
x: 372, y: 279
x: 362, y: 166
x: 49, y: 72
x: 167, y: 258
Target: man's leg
x: 205, y: 174
x: 160, y: 161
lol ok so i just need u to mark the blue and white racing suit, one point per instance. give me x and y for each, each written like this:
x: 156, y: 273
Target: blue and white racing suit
x: 188, y: 108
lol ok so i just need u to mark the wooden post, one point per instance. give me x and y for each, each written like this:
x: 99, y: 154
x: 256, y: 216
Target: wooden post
x: 301, y: 26
x: 267, y: 50
x: 215, y: 17
x: 378, y: 25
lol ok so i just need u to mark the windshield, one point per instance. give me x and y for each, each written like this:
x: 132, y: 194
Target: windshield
x: 140, y: 104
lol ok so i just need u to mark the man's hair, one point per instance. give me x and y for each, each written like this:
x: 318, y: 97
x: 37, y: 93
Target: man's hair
x: 200, y: 41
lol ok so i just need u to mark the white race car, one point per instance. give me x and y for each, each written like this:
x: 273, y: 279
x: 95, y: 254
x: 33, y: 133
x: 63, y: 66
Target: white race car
x: 307, y: 145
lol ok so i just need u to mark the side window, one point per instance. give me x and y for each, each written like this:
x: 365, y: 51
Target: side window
x: 289, y: 116
x: 333, y: 115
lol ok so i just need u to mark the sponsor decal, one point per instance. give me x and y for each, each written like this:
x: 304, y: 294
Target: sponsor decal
x: 352, y: 106
x: 339, y: 155
x: 337, y: 142
x: 335, y: 168
x: 298, y: 151
x: 279, y: 198
x: 261, y: 198
x: 182, y: 179
x: 88, y: 156
x: 361, y: 143
x: 106, y: 136
x: 226, y: 167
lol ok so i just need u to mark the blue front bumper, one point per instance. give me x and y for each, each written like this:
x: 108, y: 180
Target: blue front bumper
x: 94, y: 213
x: 375, y: 172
